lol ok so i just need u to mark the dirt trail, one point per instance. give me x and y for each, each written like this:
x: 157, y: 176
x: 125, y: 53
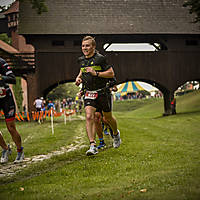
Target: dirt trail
x: 10, y: 168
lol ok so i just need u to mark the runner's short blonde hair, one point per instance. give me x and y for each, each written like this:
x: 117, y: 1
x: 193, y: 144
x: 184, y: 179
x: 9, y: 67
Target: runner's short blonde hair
x: 90, y: 38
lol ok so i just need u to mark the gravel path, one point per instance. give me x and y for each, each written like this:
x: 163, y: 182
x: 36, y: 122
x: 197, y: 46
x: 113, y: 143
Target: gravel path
x: 10, y: 168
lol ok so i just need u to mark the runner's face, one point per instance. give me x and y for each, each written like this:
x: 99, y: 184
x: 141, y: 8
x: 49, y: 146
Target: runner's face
x: 87, y: 48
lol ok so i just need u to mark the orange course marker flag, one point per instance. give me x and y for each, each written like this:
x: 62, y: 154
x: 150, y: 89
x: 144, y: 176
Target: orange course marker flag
x: 28, y: 116
x: 17, y: 117
x: 21, y: 117
x: 58, y: 114
x: 33, y: 115
x: 37, y: 115
x: 45, y: 114
x: 49, y: 113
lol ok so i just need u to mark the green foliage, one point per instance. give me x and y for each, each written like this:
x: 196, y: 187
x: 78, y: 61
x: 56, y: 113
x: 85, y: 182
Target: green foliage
x: 39, y: 5
x: 194, y: 7
x: 63, y: 91
x: 17, y: 89
x: 4, y: 37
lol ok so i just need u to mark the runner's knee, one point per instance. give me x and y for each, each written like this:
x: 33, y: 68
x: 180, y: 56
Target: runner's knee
x: 89, y: 117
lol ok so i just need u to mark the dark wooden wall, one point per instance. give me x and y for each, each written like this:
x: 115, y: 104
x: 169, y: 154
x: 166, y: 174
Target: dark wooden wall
x: 165, y: 70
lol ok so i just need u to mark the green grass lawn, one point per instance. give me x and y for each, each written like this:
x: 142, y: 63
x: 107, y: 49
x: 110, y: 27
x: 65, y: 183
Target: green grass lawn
x: 158, y: 154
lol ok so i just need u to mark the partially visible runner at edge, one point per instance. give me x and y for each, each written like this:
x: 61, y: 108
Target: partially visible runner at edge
x: 94, y: 75
x: 7, y: 104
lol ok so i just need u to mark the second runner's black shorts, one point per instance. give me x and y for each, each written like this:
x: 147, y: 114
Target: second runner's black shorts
x: 101, y: 103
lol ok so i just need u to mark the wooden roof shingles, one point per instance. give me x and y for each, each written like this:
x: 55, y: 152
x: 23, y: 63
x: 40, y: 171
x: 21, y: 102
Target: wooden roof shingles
x: 14, y: 8
x: 108, y: 17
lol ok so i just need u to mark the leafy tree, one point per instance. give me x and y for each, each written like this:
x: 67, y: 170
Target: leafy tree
x: 67, y: 90
x: 39, y: 5
x: 194, y: 8
x: 4, y: 37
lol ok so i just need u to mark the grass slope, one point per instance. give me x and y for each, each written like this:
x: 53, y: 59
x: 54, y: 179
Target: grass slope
x: 158, y: 158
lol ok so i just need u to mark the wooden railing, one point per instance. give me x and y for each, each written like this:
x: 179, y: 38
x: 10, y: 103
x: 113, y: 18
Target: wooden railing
x: 21, y: 63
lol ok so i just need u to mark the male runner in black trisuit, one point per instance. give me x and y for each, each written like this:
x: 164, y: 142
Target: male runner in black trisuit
x: 94, y: 74
x: 8, y: 105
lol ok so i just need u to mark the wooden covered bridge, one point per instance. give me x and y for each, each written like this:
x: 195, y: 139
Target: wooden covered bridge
x: 56, y: 36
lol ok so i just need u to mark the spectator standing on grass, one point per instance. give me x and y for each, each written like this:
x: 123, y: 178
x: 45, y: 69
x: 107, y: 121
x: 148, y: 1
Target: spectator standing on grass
x: 94, y: 75
x: 80, y: 104
x: 63, y: 104
x: 69, y: 102
x: 43, y: 104
x: 50, y: 105
x: 7, y: 104
x: 173, y: 106
x: 38, y: 104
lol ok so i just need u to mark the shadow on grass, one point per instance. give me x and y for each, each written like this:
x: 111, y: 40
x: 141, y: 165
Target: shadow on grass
x: 179, y: 114
x: 189, y: 113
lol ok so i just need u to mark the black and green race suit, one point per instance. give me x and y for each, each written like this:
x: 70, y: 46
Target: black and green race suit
x: 99, y: 64
x: 95, y: 83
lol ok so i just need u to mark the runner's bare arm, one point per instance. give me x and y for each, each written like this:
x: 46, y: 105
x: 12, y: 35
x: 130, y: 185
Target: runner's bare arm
x: 78, y: 78
x: 109, y: 73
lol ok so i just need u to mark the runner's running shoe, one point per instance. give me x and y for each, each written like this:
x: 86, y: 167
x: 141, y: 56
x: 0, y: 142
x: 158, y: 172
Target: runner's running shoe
x: 5, y: 154
x: 91, y: 151
x: 20, y: 156
x: 116, y: 140
x: 101, y: 145
x: 106, y: 131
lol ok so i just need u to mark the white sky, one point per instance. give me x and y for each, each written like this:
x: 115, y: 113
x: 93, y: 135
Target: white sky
x: 6, y: 2
x: 130, y: 47
x: 147, y: 86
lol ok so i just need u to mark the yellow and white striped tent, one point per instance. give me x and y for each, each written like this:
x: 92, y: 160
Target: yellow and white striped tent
x: 129, y: 87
